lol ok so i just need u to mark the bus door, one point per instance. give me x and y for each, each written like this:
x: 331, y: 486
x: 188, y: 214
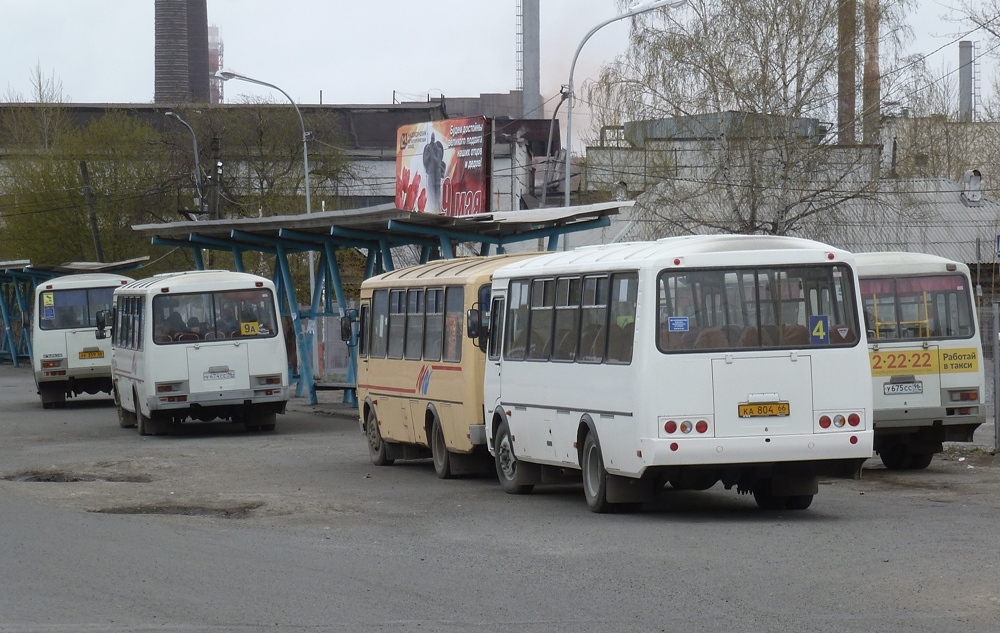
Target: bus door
x: 363, y: 330
x: 491, y: 387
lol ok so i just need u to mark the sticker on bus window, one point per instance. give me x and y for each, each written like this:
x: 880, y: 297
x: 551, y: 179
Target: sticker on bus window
x: 48, y: 300
x: 249, y: 328
x: 819, y: 330
x: 48, y: 314
x: 678, y: 324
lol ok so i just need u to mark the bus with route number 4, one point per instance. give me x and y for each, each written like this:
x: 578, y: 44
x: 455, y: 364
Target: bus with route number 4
x: 693, y: 360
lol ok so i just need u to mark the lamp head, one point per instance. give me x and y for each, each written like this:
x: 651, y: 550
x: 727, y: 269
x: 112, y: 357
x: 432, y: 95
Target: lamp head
x: 226, y: 75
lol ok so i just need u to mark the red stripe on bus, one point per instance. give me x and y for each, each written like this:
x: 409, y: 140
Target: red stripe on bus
x: 447, y: 367
x: 383, y: 388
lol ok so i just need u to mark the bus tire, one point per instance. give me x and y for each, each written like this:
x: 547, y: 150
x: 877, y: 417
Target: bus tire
x: 506, y: 463
x: 142, y: 423
x: 126, y: 419
x: 439, y: 451
x: 595, y: 477
x: 798, y: 502
x: 895, y: 457
x: 764, y: 495
x: 377, y: 449
x: 920, y: 461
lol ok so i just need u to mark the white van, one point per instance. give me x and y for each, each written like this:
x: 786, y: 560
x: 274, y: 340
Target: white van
x: 67, y: 357
x: 198, y: 346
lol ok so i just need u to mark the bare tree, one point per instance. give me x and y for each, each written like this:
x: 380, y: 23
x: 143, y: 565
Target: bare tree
x: 751, y: 88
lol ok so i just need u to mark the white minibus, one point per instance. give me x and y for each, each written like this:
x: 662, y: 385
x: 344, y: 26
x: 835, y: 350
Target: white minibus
x: 689, y: 360
x: 67, y: 357
x: 926, y: 354
x: 198, y: 346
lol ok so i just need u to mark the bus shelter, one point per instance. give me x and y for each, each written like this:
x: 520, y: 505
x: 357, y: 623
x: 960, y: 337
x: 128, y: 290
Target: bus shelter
x: 18, y: 280
x: 374, y: 232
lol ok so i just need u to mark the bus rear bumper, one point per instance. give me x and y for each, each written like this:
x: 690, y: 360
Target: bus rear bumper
x: 832, y: 448
x: 239, y: 397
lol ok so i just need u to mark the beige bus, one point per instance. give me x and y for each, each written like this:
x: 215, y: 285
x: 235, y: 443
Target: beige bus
x: 420, y: 378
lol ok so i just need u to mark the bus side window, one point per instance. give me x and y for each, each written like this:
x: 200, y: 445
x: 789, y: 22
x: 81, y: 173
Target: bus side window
x: 624, y: 294
x: 380, y: 323
x: 516, y: 337
x: 496, y: 327
x: 363, y: 326
x: 454, y: 323
x: 434, y: 329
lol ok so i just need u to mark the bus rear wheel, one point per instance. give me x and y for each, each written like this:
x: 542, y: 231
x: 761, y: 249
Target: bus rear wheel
x: 595, y: 477
x: 506, y: 463
x: 377, y: 449
x: 896, y: 457
x: 126, y: 419
x: 439, y: 451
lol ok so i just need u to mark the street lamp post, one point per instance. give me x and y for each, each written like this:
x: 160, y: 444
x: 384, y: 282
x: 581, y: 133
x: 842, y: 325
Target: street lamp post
x: 197, y: 163
x: 642, y: 7
x: 226, y: 76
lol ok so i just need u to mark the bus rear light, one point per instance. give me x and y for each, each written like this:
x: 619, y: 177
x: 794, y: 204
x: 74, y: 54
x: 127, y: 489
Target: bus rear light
x: 958, y: 396
x: 49, y: 364
x: 268, y: 380
x: 674, y: 446
x: 854, y: 419
x: 854, y: 439
x: 686, y: 426
x: 964, y: 411
x: 824, y: 421
x: 670, y: 426
x: 173, y: 398
x: 169, y: 387
x: 839, y: 421
x: 259, y: 284
x: 56, y: 373
x: 701, y: 426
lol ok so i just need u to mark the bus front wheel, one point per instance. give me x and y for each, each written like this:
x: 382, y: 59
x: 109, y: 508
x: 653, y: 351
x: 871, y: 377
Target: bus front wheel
x: 595, y: 477
x: 439, y: 451
x: 376, y: 445
x: 506, y: 463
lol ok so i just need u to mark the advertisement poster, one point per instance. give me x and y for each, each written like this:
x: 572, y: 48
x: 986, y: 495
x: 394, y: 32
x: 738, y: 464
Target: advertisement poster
x: 444, y: 166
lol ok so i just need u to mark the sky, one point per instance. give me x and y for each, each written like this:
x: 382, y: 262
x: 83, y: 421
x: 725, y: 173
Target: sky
x: 339, y: 51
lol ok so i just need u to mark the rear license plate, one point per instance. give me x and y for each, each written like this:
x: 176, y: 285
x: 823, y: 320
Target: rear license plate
x: 897, y: 388
x: 764, y: 410
x: 219, y: 375
x: 97, y: 354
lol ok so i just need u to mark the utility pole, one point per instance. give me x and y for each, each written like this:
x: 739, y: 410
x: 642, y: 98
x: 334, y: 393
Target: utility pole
x: 89, y: 195
x: 216, y: 176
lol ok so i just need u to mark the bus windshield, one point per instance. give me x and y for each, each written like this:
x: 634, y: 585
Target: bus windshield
x: 214, y: 315
x: 765, y: 307
x: 927, y: 307
x: 67, y: 309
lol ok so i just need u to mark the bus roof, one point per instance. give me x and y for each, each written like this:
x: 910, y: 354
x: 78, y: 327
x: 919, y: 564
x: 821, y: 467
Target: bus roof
x: 445, y: 270
x: 88, y: 280
x: 899, y: 263
x: 694, y: 250
x: 194, y: 280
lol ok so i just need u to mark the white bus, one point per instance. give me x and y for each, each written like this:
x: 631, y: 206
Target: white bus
x: 198, y: 346
x: 690, y: 360
x: 926, y: 354
x: 67, y: 358
x: 420, y: 379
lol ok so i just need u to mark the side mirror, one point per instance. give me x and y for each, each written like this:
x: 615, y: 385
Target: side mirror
x: 473, y: 323
x: 347, y: 325
x: 102, y: 324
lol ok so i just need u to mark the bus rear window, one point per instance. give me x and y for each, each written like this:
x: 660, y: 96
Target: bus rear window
x: 745, y: 308
x: 67, y: 309
x: 925, y: 307
x: 214, y: 315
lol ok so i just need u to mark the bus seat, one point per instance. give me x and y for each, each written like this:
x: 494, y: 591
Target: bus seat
x: 795, y: 335
x: 620, y: 343
x: 163, y: 338
x: 690, y: 337
x: 187, y: 336
x: 773, y: 334
x: 752, y: 337
x: 733, y: 333
x: 711, y: 338
x: 566, y: 347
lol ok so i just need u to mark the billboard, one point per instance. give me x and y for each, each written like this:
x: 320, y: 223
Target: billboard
x: 444, y: 166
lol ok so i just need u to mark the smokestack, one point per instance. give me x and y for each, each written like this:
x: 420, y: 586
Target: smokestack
x: 181, y: 51
x: 871, y: 91
x: 531, y: 99
x: 847, y: 36
x: 965, y: 87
